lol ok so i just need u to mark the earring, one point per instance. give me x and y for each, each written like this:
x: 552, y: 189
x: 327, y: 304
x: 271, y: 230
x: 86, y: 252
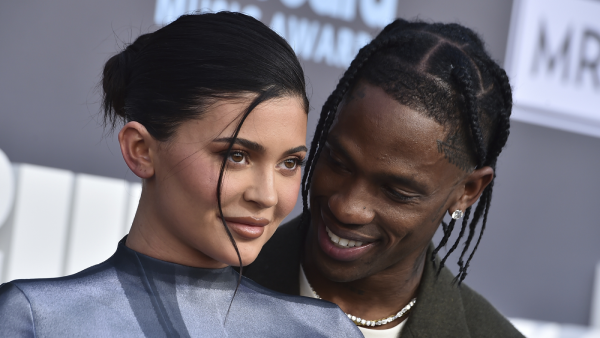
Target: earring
x: 457, y: 214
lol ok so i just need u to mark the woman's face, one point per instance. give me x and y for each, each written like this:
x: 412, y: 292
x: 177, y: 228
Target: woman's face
x: 380, y: 188
x: 260, y: 185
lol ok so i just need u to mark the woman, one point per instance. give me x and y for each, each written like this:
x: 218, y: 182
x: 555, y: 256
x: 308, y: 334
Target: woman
x: 215, y: 113
x: 411, y: 134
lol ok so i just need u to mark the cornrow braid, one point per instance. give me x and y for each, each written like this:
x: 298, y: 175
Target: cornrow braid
x: 465, y: 80
x: 444, y: 72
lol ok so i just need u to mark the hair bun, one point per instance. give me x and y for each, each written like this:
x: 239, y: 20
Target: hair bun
x: 116, y: 78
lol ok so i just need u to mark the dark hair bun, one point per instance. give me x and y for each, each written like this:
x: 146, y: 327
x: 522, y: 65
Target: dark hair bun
x: 115, y: 80
x: 173, y: 74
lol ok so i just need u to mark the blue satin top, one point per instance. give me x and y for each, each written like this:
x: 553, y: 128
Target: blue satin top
x: 134, y: 295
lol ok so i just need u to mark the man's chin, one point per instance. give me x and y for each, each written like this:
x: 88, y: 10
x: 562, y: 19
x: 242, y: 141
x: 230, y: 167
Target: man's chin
x: 340, y: 272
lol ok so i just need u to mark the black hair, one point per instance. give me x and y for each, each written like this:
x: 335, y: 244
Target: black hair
x: 173, y: 75
x: 444, y: 72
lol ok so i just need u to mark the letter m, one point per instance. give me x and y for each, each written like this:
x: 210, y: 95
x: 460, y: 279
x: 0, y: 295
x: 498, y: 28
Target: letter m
x: 168, y: 10
x: 543, y: 55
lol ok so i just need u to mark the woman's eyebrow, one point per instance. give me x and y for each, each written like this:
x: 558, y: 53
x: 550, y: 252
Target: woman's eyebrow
x: 295, y: 150
x: 243, y: 142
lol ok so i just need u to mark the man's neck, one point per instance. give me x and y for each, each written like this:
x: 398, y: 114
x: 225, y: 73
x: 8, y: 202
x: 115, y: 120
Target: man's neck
x: 375, y: 297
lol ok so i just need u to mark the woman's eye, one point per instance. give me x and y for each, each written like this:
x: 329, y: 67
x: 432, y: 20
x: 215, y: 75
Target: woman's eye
x: 290, y: 164
x: 237, y: 157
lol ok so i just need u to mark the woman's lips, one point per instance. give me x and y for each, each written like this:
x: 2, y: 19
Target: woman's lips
x: 337, y: 252
x: 247, y: 227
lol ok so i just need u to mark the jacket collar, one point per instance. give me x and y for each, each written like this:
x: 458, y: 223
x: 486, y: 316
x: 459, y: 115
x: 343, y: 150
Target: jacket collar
x: 439, y: 300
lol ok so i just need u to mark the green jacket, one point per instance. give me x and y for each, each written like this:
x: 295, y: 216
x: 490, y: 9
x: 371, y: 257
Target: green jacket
x: 442, y: 309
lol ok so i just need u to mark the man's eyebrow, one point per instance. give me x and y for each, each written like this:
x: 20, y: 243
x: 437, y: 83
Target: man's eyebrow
x: 295, y: 150
x: 243, y: 142
x: 334, y: 143
x: 403, y: 181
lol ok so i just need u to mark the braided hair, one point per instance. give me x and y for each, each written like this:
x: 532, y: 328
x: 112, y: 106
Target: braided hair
x: 444, y: 72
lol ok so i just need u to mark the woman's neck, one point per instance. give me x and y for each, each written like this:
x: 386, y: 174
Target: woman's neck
x: 151, y: 237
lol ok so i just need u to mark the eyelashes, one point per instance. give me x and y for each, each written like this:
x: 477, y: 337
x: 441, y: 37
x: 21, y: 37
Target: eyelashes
x: 241, y: 158
x: 238, y: 157
x: 296, y: 163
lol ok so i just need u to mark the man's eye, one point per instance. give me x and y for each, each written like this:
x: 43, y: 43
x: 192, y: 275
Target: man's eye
x: 335, y: 161
x: 398, y: 196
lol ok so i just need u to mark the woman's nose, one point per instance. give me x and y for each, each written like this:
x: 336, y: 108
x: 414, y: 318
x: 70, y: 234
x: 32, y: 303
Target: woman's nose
x: 262, y: 190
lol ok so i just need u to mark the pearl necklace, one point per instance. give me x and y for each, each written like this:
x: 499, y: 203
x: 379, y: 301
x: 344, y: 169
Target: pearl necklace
x: 363, y: 322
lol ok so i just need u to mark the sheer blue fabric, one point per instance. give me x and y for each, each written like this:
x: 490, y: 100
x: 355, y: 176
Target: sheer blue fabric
x: 134, y: 295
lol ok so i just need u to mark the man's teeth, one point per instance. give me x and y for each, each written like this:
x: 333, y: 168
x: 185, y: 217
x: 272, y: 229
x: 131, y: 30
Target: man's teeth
x: 342, y: 241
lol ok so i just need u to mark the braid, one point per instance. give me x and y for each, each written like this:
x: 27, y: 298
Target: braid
x: 460, y: 235
x: 504, y: 116
x: 486, y: 200
x: 444, y: 240
x: 472, y: 226
x: 465, y: 81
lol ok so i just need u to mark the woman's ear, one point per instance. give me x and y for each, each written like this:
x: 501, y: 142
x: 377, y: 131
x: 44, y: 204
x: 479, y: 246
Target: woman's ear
x: 473, y: 186
x: 137, y: 147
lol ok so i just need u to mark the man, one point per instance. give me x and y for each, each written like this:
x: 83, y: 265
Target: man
x: 412, y: 132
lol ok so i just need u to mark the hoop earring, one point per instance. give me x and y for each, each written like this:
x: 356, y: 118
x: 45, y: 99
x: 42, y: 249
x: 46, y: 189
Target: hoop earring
x: 457, y: 214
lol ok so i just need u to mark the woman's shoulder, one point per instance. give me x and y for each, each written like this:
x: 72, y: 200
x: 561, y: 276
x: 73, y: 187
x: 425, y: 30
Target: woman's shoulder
x: 65, y: 306
x: 318, y: 317
x: 16, y: 318
x: 89, y: 278
x: 61, y: 292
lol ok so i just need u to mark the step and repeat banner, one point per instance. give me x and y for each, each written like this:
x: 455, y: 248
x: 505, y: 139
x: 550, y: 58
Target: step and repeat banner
x: 553, y: 59
x: 314, y: 37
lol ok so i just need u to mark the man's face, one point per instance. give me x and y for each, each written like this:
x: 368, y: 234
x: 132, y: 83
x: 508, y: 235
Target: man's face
x: 380, y: 188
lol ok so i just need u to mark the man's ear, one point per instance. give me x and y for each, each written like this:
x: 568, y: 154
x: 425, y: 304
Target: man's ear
x: 473, y: 186
x: 137, y: 147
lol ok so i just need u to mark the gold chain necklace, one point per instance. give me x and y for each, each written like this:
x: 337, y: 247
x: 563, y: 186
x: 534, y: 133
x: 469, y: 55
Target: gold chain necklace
x: 363, y: 322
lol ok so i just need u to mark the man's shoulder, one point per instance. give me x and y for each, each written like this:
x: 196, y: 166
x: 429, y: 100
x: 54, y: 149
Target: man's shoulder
x: 289, y: 230
x: 482, y: 317
x: 277, y: 266
x: 284, y: 244
x: 446, y: 309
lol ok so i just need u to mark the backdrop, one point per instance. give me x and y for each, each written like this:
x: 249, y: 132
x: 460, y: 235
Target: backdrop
x: 538, y: 254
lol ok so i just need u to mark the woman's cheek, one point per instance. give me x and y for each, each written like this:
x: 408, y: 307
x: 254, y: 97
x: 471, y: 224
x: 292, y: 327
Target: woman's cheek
x: 201, y: 179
